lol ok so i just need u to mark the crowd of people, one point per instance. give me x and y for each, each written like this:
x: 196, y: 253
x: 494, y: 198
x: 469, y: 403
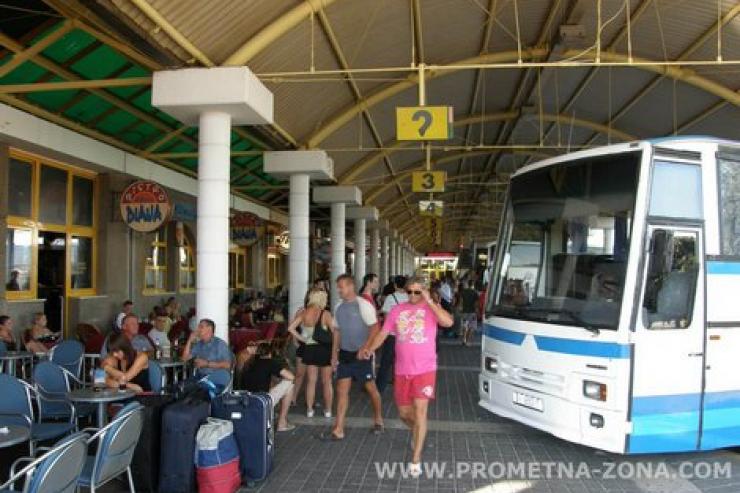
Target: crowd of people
x: 375, y: 336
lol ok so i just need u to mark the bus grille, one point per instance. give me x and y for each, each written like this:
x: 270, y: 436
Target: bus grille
x: 534, y: 379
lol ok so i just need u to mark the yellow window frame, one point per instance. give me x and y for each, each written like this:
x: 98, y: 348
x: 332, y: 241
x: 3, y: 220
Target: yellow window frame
x: 188, y: 268
x: 157, y: 243
x: 69, y: 229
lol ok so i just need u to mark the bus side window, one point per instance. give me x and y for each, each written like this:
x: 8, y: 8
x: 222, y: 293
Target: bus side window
x: 670, y: 284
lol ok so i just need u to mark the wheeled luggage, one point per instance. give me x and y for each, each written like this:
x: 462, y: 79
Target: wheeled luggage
x: 180, y: 423
x: 145, y: 462
x: 251, y: 414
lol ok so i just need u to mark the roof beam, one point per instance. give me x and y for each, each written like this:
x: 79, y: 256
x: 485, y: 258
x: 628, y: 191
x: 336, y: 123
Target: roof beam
x: 275, y: 30
x: 74, y: 84
x: 347, y: 114
x: 36, y: 48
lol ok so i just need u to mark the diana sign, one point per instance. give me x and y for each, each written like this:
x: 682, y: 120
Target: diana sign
x: 145, y: 206
x: 246, y: 228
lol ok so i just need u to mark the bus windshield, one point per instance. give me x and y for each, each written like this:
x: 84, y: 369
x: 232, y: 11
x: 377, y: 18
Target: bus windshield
x: 565, y: 242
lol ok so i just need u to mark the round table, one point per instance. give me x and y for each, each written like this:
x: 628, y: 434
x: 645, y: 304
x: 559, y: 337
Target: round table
x: 100, y: 397
x: 178, y: 366
x: 11, y: 358
x: 15, y: 434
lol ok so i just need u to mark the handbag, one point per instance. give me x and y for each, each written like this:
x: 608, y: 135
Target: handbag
x: 321, y: 334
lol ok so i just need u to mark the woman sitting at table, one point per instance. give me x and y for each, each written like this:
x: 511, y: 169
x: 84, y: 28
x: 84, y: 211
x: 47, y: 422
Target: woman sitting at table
x: 38, y: 339
x: 124, y: 366
x: 6, y: 332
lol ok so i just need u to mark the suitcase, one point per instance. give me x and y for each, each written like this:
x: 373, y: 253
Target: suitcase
x: 145, y: 462
x: 180, y: 423
x: 251, y: 414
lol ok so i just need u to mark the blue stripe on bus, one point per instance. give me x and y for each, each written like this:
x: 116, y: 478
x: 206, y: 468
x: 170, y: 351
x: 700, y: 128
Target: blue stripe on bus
x: 582, y: 348
x: 719, y: 267
x: 670, y: 423
x: 561, y: 345
x: 505, y: 335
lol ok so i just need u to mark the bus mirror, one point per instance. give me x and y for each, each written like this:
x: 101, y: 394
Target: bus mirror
x: 505, y: 264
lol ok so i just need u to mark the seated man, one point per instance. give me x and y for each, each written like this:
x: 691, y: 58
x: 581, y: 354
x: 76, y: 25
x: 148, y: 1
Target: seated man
x: 130, y: 329
x: 209, y: 353
x: 258, y: 364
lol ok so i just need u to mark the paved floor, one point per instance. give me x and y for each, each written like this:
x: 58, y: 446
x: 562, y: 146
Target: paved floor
x: 472, y: 450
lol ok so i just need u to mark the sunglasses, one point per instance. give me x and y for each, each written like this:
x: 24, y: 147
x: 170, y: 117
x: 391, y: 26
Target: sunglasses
x: 417, y: 293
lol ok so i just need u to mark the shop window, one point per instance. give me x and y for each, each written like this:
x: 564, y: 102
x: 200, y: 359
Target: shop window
x: 19, y: 261
x: 20, y: 183
x: 82, y: 201
x: 187, y: 266
x: 237, y: 268
x: 81, y: 262
x: 53, y: 189
x: 155, y: 270
x: 49, y: 199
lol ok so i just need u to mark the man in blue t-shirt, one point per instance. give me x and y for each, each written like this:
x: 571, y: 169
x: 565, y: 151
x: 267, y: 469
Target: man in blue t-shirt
x: 209, y: 353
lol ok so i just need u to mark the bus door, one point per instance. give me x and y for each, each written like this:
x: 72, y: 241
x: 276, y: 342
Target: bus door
x: 668, y: 365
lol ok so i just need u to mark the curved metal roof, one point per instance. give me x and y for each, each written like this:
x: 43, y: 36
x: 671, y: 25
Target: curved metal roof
x: 527, y: 79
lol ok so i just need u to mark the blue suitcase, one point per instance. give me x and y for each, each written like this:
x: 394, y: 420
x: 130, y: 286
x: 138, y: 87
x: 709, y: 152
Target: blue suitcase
x: 180, y: 423
x: 251, y: 414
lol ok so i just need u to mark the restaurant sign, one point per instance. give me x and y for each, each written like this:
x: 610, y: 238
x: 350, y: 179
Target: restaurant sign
x: 145, y: 206
x: 246, y: 228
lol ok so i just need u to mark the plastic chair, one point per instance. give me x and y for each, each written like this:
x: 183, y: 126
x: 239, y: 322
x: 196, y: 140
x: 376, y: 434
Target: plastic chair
x: 57, y: 471
x: 68, y: 354
x: 156, y: 376
x: 16, y: 408
x: 116, y: 444
x: 52, y: 383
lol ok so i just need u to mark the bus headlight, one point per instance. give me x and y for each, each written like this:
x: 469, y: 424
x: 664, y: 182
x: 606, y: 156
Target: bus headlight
x: 491, y: 364
x: 594, y: 390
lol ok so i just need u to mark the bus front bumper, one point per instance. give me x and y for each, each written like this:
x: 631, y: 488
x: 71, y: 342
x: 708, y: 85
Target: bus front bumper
x: 575, y: 422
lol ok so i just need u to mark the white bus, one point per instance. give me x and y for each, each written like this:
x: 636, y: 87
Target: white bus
x: 628, y: 339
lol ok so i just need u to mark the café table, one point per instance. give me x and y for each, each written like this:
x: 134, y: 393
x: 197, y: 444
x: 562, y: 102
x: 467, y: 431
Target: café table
x: 178, y: 367
x: 13, y: 435
x: 100, y: 397
x: 11, y: 358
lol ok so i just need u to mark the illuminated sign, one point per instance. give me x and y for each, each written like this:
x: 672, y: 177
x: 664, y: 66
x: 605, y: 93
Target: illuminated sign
x: 246, y: 228
x: 145, y: 206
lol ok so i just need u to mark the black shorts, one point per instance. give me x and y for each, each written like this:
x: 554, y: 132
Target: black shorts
x: 317, y: 355
x: 359, y: 370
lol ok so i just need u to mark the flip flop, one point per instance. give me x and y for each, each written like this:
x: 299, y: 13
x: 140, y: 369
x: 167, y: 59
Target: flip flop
x: 330, y: 437
x: 377, y: 429
x: 290, y: 427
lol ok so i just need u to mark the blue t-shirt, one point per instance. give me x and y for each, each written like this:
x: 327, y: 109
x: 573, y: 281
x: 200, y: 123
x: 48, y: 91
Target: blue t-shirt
x: 214, y: 350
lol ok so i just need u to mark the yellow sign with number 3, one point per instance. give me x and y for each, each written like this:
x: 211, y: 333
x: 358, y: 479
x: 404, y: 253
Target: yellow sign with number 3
x: 428, y: 181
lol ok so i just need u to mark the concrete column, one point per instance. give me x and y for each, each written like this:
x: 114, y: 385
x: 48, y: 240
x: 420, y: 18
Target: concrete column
x: 361, y: 216
x: 298, y: 225
x: 338, y: 197
x: 338, y: 248
x: 360, y: 237
x: 212, y: 251
x: 384, y: 273
x: 300, y: 167
x: 214, y: 99
x: 375, y: 251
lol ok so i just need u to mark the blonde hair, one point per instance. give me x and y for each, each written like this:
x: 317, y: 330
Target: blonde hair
x: 317, y: 298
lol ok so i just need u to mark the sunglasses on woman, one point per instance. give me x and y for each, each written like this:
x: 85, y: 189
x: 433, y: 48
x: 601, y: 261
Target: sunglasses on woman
x: 417, y: 293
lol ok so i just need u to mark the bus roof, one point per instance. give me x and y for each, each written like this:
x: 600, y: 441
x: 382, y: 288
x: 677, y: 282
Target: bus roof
x: 625, y: 147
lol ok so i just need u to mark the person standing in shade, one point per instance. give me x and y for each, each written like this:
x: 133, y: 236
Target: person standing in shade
x: 469, y: 308
x: 387, y: 351
x: 414, y: 324
x: 356, y: 324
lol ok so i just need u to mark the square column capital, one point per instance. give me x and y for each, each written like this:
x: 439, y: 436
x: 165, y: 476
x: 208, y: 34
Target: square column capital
x: 315, y: 163
x: 367, y: 213
x: 337, y: 195
x: 187, y: 93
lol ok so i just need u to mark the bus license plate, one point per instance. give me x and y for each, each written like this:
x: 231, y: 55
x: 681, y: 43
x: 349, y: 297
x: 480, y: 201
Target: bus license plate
x: 528, y: 401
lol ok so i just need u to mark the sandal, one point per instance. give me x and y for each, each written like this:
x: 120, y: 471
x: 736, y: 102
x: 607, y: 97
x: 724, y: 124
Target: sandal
x: 330, y: 437
x: 377, y: 429
x: 288, y: 427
